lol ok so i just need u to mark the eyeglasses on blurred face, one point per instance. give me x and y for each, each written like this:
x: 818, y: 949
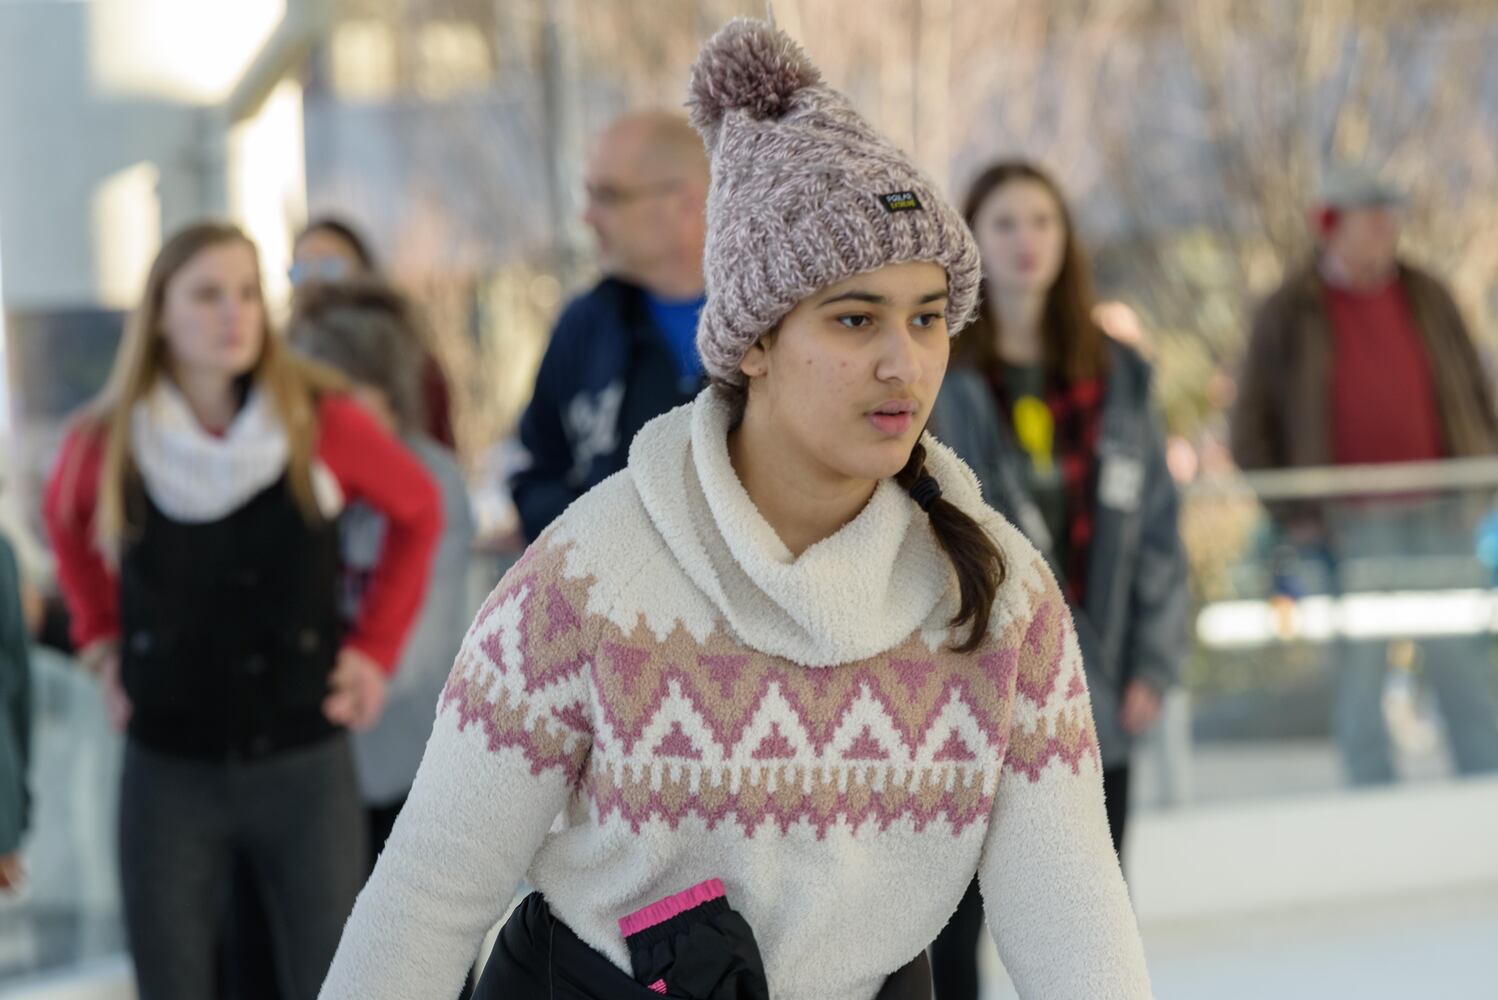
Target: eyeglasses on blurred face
x: 611, y: 196
x: 329, y: 269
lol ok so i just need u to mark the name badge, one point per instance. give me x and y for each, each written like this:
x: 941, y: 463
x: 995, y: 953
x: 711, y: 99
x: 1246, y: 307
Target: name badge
x: 1121, y: 483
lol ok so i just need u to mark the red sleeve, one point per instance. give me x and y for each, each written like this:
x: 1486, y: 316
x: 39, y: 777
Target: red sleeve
x: 372, y: 466
x: 88, y: 585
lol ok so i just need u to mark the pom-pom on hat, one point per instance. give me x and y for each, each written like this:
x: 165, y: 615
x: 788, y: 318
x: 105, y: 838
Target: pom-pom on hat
x: 804, y: 194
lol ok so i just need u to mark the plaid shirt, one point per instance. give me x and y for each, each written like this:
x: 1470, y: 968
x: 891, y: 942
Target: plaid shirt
x: 1077, y: 409
x: 1076, y: 414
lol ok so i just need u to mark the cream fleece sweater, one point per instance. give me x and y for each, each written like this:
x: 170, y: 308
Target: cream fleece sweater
x: 658, y: 694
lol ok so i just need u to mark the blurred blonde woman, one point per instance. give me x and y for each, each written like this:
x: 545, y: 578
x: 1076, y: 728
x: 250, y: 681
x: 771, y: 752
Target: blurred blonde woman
x: 193, y: 511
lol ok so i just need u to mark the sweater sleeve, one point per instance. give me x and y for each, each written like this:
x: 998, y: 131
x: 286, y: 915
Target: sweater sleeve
x: 509, y: 746
x: 373, y: 466
x: 88, y: 585
x: 1052, y: 888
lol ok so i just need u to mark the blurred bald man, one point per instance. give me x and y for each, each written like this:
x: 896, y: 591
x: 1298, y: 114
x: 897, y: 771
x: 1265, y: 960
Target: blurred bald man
x: 625, y: 351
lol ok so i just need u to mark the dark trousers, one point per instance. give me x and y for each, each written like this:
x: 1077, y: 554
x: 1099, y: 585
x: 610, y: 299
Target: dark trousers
x: 248, y: 971
x: 1116, y: 800
x: 294, y: 821
x: 954, y: 953
x: 381, y: 820
x: 247, y: 968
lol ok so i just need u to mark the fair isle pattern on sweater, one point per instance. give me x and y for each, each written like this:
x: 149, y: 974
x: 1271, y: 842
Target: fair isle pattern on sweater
x: 659, y: 694
x: 712, y: 730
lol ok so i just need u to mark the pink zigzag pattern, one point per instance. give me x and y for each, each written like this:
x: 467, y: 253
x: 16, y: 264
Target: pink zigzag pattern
x: 774, y: 746
x: 677, y: 743
x: 475, y: 708
x: 865, y: 747
x: 563, y: 615
x: 562, y: 622
x: 1055, y: 748
x: 574, y: 716
x: 1026, y: 661
x: 954, y: 750
x: 820, y: 726
x: 1046, y: 624
x: 1077, y: 687
x: 612, y: 800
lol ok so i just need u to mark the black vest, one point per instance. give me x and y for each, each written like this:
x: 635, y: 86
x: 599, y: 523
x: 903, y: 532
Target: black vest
x: 230, y: 628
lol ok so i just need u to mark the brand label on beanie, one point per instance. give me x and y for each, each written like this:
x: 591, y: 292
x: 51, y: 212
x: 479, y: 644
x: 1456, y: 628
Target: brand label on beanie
x: 900, y: 201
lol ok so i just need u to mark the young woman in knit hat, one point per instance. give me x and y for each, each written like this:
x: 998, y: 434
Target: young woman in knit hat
x: 788, y: 656
x: 193, y: 513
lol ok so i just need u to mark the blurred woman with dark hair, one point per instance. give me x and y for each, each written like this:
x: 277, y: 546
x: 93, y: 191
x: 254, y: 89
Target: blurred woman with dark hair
x: 331, y: 251
x: 1055, y: 418
x: 368, y: 333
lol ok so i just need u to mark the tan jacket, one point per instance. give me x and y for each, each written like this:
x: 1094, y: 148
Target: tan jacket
x: 1282, y: 419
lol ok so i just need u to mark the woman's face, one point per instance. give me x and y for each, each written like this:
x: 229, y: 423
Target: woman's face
x: 849, y: 377
x: 323, y: 255
x: 213, y: 316
x: 1021, y: 236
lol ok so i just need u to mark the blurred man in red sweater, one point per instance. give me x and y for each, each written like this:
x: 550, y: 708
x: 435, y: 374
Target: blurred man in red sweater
x: 1360, y: 358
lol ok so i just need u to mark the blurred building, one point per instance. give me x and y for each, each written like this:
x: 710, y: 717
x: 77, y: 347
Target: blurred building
x: 119, y: 121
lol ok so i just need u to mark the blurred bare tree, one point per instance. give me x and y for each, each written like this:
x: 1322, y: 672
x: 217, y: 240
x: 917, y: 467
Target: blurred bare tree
x: 1189, y: 133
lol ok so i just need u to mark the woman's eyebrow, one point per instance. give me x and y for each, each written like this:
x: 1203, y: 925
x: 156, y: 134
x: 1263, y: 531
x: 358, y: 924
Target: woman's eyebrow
x: 855, y: 295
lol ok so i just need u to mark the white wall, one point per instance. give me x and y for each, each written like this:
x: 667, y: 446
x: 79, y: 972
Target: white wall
x: 97, y: 99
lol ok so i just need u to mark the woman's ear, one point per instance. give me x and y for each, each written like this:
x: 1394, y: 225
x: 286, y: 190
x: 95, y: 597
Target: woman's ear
x: 757, y: 361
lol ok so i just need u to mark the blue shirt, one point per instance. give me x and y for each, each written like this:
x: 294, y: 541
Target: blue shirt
x: 677, y: 320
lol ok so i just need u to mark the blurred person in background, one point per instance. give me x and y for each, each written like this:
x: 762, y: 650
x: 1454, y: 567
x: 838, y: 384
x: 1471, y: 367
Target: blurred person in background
x: 1055, y: 418
x: 625, y: 351
x: 367, y: 332
x: 15, y: 719
x: 1361, y: 358
x: 330, y: 251
x: 45, y: 611
x: 193, y: 514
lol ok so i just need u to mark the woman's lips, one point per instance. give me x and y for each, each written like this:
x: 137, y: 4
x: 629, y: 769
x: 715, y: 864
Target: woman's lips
x: 893, y: 424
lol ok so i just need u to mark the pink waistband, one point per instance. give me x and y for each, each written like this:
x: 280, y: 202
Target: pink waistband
x: 662, y: 910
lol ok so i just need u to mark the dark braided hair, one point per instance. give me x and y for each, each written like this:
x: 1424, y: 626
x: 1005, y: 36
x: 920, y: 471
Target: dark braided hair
x: 976, y: 559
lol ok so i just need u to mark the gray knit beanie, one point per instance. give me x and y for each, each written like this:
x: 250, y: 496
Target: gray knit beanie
x: 804, y: 194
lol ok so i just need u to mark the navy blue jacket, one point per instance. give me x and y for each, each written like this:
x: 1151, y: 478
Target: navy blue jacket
x: 607, y: 372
